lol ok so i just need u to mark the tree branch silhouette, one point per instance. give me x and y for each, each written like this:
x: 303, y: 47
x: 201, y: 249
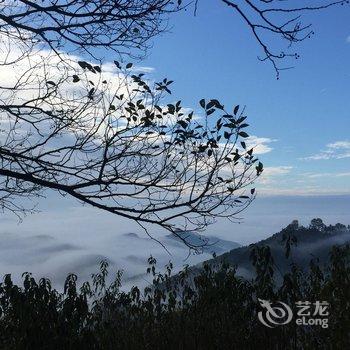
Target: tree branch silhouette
x: 280, y: 19
x: 111, y: 142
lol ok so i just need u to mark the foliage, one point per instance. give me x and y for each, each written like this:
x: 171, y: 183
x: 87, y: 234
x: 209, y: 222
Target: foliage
x: 213, y: 309
x: 116, y: 144
x: 105, y: 134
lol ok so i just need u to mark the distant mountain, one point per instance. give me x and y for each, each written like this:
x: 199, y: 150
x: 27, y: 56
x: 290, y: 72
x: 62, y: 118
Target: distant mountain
x: 45, y: 255
x: 312, y: 242
x: 137, y: 261
x: 212, y: 245
x: 48, y: 256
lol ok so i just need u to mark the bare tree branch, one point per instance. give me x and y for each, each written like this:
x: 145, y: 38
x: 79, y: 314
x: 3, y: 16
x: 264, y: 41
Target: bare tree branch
x: 107, y: 136
x: 123, y: 26
x: 115, y: 146
x: 269, y: 19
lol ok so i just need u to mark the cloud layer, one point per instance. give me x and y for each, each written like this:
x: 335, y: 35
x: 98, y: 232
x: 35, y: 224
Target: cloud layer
x: 335, y: 150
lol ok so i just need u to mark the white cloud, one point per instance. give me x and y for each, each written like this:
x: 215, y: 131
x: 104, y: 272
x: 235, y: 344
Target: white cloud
x: 318, y: 156
x: 261, y: 145
x: 272, y: 175
x: 278, y: 170
x: 339, y: 145
x: 348, y: 39
x: 334, y: 150
x: 143, y: 69
x: 301, y: 191
x: 320, y: 175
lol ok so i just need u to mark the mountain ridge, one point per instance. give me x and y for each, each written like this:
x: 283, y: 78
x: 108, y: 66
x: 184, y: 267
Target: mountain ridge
x: 305, y: 244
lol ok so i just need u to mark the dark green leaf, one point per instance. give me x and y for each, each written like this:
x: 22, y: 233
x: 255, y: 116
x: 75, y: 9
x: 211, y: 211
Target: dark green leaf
x: 183, y: 123
x: 243, y: 134
x: 211, y: 111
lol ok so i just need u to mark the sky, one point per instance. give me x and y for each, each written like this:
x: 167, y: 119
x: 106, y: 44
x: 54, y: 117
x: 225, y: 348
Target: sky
x: 301, y: 121
x: 303, y: 118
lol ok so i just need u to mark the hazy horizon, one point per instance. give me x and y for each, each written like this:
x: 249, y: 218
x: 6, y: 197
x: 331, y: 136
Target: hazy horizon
x: 67, y: 237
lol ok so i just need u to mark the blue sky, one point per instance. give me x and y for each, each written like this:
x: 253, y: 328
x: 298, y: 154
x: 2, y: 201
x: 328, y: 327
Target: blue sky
x: 304, y: 115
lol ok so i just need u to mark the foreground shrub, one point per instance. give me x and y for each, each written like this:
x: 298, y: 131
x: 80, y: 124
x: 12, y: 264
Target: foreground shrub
x: 206, y: 309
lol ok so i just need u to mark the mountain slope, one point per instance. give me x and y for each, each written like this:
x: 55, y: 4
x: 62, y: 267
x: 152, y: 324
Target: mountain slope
x: 313, y: 242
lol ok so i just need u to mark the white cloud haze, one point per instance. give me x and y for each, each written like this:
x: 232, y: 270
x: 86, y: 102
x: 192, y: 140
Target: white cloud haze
x: 334, y: 150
